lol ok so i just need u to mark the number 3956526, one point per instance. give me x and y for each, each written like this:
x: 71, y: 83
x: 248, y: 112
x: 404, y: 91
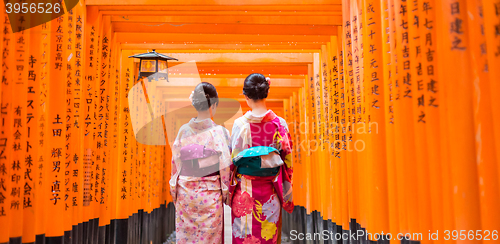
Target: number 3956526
x: 24, y: 8
x: 485, y: 235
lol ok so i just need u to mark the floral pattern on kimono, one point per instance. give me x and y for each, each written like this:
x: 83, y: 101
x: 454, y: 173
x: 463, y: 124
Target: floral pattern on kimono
x: 199, y: 210
x: 243, y: 204
x: 269, y: 193
x: 251, y: 240
x: 269, y: 209
x: 240, y: 228
x: 198, y: 200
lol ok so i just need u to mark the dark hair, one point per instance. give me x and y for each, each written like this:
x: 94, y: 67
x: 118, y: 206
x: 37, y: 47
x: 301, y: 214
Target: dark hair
x: 256, y: 87
x: 204, y: 96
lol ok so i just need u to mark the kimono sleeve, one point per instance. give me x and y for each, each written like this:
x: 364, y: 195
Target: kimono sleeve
x: 286, y: 154
x: 176, y: 149
x: 225, y: 163
x: 240, y: 137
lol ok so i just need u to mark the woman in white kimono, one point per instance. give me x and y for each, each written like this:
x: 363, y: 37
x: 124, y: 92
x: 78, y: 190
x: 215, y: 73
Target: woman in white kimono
x: 200, y: 172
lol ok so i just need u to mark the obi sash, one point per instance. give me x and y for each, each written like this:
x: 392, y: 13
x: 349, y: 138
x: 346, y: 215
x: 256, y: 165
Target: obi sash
x: 258, y: 161
x: 199, y: 161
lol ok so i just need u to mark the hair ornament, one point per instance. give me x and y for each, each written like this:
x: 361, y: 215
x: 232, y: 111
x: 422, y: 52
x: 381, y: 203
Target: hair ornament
x: 191, y: 96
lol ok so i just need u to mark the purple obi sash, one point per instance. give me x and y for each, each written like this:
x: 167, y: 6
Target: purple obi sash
x: 199, y: 161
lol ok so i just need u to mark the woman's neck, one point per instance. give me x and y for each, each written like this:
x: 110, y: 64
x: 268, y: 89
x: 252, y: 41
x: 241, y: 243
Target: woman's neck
x: 203, y: 115
x: 259, y: 107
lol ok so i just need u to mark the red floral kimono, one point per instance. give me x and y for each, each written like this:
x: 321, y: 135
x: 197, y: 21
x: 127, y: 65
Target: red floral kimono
x: 256, y: 201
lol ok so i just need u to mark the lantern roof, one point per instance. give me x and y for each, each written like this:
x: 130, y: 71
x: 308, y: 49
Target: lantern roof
x: 153, y: 54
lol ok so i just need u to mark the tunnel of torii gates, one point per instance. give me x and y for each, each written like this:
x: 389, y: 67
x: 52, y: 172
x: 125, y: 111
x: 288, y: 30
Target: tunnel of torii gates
x: 393, y: 107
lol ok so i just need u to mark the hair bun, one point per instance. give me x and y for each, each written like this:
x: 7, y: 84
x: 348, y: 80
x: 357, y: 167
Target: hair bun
x: 204, y: 96
x: 256, y: 86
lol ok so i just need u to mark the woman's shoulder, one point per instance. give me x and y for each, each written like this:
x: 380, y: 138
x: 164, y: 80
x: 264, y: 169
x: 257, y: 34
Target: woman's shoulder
x: 240, y: 122
x: 184, y: 128
x: 282, y: 122
x: 221, y: 129
x: 183, y: 131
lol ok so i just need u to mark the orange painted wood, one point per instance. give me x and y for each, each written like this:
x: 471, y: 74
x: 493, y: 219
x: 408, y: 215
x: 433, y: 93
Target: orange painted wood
x: 238, y: 58
x: 337, y: 124
x: 291, y: 7
x: 417, y: 71
x: 303, y: 146
x: 55, y: 164
x: 6, y: 129
x: 125, y: 139
x: 234, y: 19
x: 79, y: 106
x: 123, y: 15
x: 456, y: 76
x: 325, y: 145
x: 350, y: 100
x: 103, y: 123
x: 491, y: 22
x: 431, y: 93
x: 219, y: 28
x: 42, y: 163
x: 32, y: 134
x: 483, y: 119
x: 377, y: 192
x: 114, y: 93
x: 97, y: 147
x: 134, y: 37
x: 219, y: 47
x: 218, y: 2
x: 69, y: 36
x: 307, y: 111
x: 404, y: 135
x: 293, y: 126
x: 21, y: 41
x: 3, y: 33
x: 329, y: 136
x: 317, y: 163
x: 389, y: 60
x: 90, y: 92
x: 343, y: 76
x: 356, y: 114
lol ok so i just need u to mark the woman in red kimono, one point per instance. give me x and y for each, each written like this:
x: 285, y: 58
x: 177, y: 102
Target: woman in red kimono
x: 261, y: 182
